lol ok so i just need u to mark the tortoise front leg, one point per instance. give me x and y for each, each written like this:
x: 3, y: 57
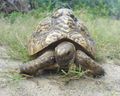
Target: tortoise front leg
x: 88, y: 64
x: 45, y: 60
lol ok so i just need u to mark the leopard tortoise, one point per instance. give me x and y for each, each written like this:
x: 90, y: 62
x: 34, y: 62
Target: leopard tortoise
x: 60, y: 40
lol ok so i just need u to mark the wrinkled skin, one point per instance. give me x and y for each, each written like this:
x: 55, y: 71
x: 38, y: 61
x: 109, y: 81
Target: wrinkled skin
x: 62, y: 53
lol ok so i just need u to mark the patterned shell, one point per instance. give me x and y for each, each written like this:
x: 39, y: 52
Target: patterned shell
x: 62, y: 25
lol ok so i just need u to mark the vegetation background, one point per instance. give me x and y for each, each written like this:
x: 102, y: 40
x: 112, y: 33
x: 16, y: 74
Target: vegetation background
x: 100, y: 16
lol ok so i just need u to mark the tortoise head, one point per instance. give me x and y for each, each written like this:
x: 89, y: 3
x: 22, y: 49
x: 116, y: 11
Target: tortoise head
x: 64, y: 53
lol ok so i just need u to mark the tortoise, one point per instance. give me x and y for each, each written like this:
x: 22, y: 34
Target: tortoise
x: 60, y: 40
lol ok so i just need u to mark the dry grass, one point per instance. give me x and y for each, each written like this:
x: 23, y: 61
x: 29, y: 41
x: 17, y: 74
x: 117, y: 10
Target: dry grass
x: 15, y: 35
x: 105, y: 31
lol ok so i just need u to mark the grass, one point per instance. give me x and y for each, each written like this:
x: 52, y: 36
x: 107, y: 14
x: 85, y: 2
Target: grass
x: 16, y: 28
x: 14, y: 32
x: 106, y: 33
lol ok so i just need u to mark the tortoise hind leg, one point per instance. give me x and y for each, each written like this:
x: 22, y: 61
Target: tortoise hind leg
x: 45, y: 60
x: 88, y: 64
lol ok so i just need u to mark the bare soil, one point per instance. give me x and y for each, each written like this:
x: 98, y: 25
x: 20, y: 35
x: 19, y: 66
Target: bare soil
x: 11, y: 83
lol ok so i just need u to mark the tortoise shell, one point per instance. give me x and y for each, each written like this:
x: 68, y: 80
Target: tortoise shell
x: 61, y: 26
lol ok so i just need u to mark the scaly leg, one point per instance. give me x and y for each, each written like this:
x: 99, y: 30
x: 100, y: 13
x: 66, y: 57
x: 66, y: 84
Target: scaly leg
x: 88, y: 64
x: 42, y: 62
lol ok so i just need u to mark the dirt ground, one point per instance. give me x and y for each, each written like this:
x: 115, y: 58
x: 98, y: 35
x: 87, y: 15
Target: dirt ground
x: 11, y: 84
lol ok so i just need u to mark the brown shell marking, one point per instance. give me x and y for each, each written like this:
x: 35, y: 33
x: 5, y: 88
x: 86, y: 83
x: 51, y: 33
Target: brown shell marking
x: 44, y: 25
x: 33, y: 46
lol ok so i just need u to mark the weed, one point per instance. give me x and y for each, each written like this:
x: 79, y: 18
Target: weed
x: 74, y: 73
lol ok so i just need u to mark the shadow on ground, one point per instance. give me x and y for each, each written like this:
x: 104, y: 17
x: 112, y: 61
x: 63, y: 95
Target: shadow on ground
x: 11, y: 83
